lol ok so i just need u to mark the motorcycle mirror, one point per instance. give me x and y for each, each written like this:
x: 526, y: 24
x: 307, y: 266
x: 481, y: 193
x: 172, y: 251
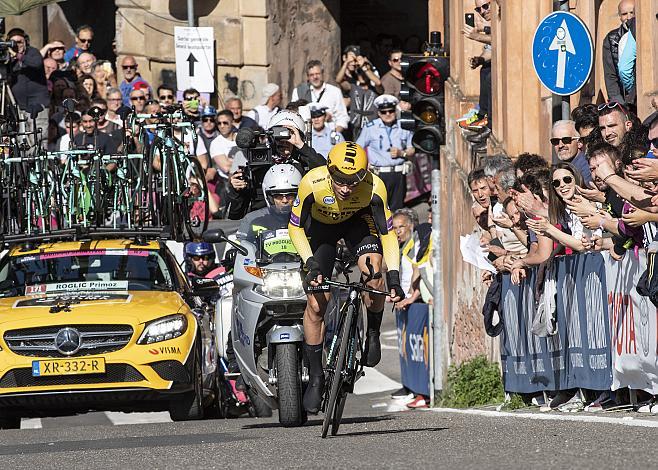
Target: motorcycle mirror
x: 214, y: 236
x: 218, y: 236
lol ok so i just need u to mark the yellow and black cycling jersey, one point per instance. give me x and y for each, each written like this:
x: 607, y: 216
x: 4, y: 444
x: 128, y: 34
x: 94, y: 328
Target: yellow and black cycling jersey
x: 317, y: 203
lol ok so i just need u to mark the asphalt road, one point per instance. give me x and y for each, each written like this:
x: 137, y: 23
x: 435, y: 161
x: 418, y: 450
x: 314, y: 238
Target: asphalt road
x: 373, y: 440
x: 376, y: 433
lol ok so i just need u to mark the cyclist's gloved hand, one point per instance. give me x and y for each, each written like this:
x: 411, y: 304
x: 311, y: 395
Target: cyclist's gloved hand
x: 393, y: 283
x: 312, y: 268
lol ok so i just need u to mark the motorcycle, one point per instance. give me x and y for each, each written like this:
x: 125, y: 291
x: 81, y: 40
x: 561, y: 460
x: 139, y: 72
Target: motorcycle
x: 267, y: 321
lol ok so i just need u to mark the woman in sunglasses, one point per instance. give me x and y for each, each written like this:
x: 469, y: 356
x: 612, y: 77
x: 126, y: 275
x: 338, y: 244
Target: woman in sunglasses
x: 562, y: 225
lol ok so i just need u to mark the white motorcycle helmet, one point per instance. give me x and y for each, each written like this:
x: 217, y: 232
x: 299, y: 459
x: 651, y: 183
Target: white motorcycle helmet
x: 288, y: 118
x: 282, y: 178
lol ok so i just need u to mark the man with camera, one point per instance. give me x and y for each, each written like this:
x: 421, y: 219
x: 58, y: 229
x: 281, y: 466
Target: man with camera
x: 27, y: 78
x: 316, y: 90
x: 282, y: 143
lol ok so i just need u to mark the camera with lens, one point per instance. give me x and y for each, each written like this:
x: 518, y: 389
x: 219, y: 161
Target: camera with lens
x: 5, y: 45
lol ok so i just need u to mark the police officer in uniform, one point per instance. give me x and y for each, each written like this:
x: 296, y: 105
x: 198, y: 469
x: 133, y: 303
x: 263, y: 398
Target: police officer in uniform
x: 322, y: 137
x: 389, y: 149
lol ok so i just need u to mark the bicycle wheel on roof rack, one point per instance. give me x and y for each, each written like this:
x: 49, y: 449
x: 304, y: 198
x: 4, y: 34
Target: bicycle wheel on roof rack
x: 172, y: 189
x: 195, y: 204
x: 152, y: 199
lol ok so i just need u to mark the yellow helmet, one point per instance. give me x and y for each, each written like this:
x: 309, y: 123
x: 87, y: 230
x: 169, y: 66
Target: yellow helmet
x: 347, y: 162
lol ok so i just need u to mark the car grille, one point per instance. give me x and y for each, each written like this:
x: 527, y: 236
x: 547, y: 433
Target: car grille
x: 114, y: 373
x: 95, y: 339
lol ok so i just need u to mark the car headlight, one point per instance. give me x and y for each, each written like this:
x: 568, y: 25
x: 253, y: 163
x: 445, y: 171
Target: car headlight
x: 163, y: 329
x: 281, y: 284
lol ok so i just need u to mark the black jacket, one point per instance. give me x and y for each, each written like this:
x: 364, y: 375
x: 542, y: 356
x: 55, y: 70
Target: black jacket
x: 28, y: 81
x: 251, y: 198
x: 610, y: 57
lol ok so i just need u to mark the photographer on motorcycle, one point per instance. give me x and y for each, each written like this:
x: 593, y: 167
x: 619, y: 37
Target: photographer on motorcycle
x: 243, y: 195
x: 280, y: 190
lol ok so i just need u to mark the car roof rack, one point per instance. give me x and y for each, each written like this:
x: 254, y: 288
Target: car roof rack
x: 82, y: 233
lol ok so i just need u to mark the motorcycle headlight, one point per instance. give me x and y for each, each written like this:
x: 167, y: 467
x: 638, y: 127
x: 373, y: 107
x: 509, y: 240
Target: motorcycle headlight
x: 163, y: 329
x: 281, y: 284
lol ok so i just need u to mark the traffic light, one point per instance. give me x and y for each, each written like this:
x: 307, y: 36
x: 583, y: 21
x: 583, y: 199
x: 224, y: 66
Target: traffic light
x: 423, y: 87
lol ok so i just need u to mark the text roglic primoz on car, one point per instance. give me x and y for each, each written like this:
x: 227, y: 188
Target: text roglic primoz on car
x: 101, y: 325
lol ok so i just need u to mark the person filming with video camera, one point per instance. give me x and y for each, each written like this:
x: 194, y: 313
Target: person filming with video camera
x: 27, y: 77
x: 283, y: 142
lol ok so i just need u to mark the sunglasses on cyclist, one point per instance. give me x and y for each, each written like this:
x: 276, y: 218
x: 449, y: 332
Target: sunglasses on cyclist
x: 129, y: 67
x: 566, y: 180
x: 166, y: 97
x: 208, y: 119
x: 85, y: 41
x: 564, y: 140
x: 484, y: 7
x: 204, y: 257
x: 137, y: 98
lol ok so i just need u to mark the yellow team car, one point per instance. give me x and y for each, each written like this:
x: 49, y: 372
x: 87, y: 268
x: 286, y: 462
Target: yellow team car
x: 102, y: 325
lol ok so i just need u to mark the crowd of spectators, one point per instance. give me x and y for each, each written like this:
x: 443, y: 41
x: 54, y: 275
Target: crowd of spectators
x: 360, y: 99
x: 600, y: 195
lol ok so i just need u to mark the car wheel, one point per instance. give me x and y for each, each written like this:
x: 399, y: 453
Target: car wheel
x: 189, y: 406
x: 13, y: 422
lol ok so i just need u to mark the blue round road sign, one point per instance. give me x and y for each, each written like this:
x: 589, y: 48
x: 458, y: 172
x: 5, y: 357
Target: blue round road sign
x: 562, y: 53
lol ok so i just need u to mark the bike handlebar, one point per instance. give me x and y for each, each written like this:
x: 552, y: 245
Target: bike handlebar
x: 355, y: 285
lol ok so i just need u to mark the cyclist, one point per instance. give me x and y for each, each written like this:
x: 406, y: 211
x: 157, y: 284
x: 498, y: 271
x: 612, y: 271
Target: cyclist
x: 342, y: 200
x: 280, y: 186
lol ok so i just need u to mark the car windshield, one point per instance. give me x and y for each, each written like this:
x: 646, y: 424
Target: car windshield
x: 84, y: 270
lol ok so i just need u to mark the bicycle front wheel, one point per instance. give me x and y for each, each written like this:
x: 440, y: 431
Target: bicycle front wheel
x: 196, y: 203
x: 337, y: 375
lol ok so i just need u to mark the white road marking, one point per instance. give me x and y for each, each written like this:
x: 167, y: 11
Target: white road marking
x: 373, y: 382
x: 119, y: 418
x: 386, y: 346
x: 626, y: 421
x: 31, y: 423
x: 389, y: 333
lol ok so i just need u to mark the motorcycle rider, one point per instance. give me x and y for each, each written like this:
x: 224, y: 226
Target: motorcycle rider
x: 280, y: 186
x: 242, y: 195
x: 200, y: 263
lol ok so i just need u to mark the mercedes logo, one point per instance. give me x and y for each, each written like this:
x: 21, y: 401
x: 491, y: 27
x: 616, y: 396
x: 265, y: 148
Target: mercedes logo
x: 68, y: 341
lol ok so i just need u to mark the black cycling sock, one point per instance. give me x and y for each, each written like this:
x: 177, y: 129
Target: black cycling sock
x: 375, y: 321
x: 314, y: 354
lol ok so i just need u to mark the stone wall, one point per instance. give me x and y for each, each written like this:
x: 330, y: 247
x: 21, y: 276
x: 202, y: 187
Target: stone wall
x: 257, y: 41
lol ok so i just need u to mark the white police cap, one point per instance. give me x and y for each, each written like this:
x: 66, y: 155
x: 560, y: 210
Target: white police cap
x: 386, y: 101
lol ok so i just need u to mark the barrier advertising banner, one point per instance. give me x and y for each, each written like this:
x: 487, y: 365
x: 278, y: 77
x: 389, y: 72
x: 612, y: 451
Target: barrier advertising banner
x: 634, y: 327
x: 579, y: 354
x: 413, y: 346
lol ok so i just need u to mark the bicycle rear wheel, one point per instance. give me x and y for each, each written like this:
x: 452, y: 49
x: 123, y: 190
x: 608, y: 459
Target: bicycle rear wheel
x: 336, y: 377
x: 196, y: 204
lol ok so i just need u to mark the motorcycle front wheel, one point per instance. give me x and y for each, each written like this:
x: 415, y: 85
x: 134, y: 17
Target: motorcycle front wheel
x: 289, y: 384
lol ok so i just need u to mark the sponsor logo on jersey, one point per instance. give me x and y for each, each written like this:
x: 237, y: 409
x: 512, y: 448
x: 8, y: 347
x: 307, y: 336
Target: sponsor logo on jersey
x: 296, y: 203
x: 328, y: 200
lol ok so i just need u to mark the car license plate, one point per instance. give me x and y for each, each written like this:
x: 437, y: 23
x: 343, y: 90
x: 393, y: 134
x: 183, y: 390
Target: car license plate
x: 87, y: 365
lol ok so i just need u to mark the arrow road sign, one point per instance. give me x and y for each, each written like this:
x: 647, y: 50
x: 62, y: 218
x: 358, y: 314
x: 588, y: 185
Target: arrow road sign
x: 562, y: 43
x: 191, y: 59
x: 562, y: 53
x: 195, y: 58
